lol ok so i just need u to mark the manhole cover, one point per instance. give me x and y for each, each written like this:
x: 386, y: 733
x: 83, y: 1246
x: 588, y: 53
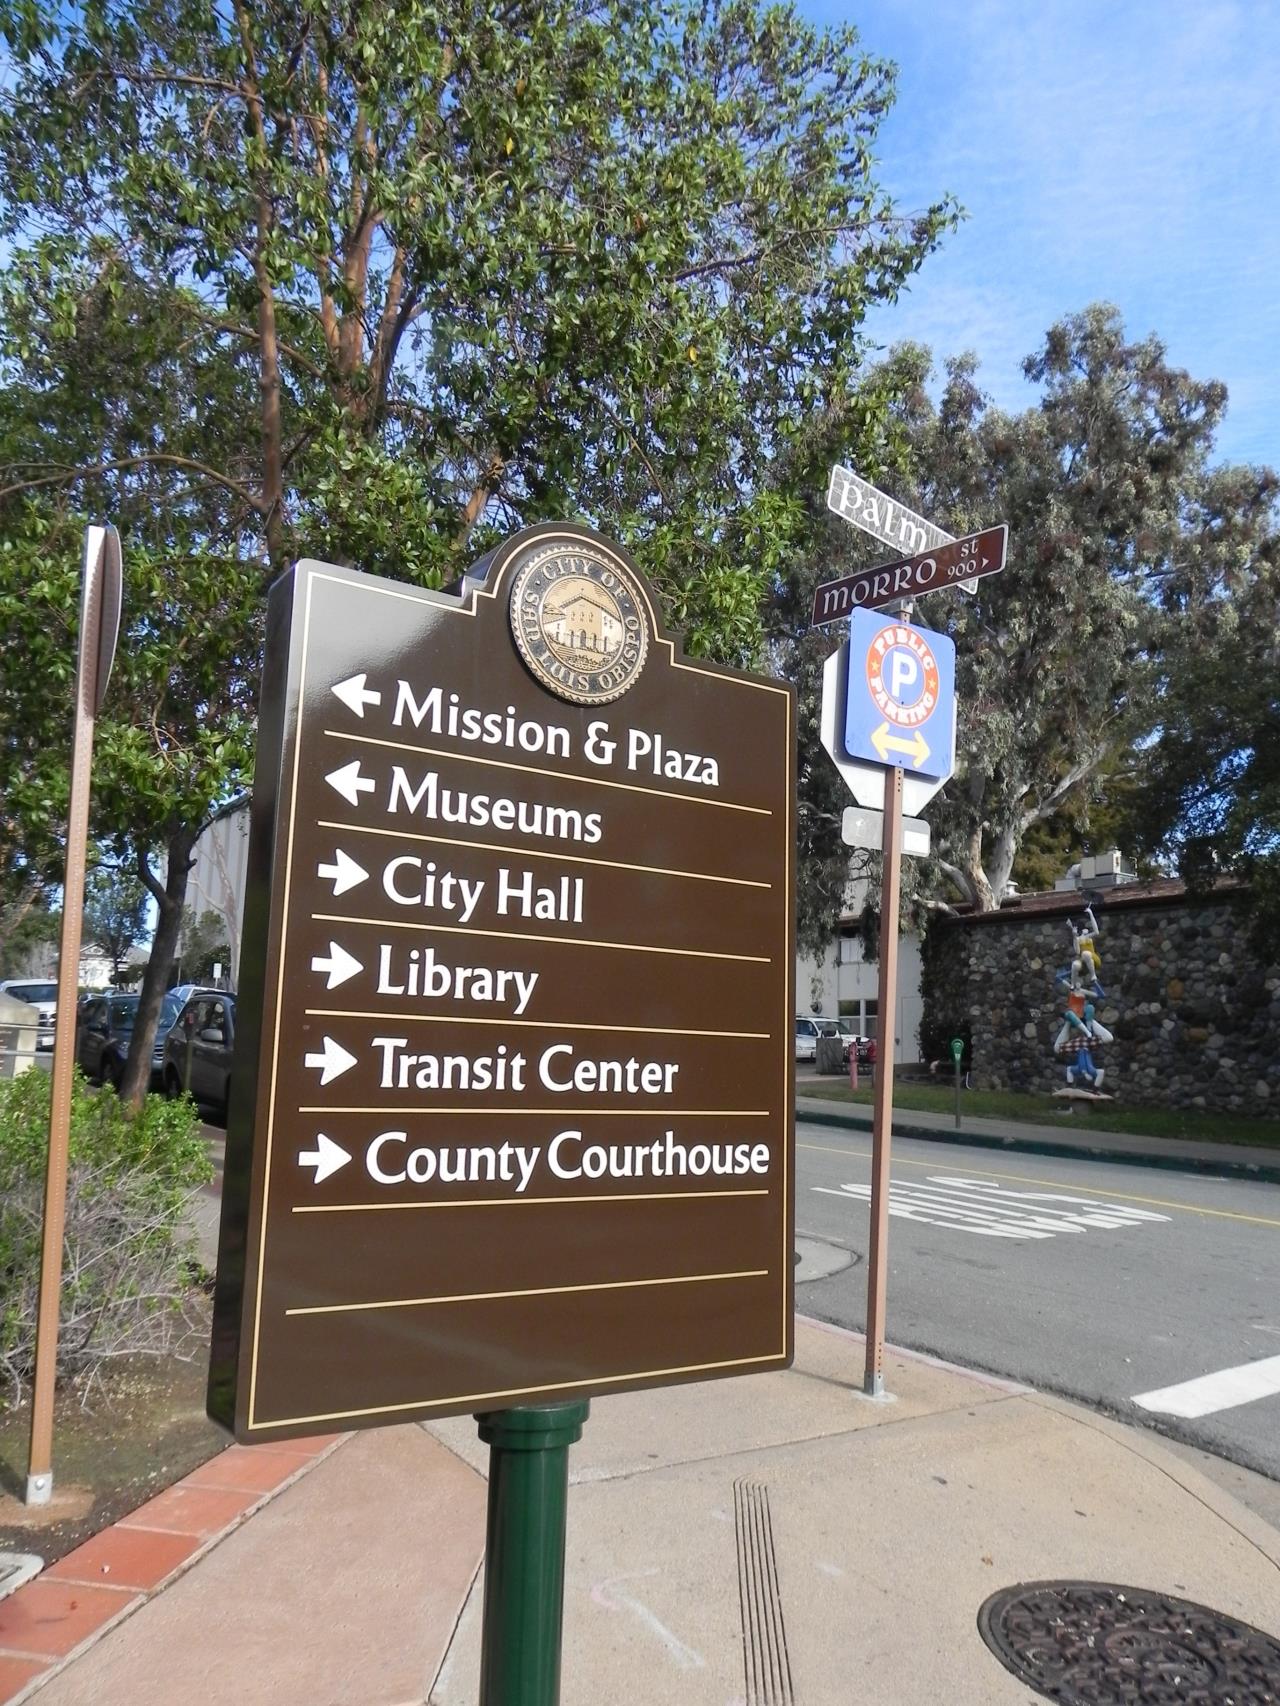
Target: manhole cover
x: 1094, y: 1644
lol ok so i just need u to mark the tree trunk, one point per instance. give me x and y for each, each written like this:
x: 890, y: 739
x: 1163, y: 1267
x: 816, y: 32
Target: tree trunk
x: 1000, y: 863
x: 169, y: 897
x: 984, y: 899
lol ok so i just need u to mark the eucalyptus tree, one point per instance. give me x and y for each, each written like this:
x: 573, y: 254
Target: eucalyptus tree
x: 1061, y: 658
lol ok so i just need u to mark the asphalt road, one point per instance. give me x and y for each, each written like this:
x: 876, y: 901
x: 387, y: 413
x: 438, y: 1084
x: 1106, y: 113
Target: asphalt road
x: 1098, y: 1281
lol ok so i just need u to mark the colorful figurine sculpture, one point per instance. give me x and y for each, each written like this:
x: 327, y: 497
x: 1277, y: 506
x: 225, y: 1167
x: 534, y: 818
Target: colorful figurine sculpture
x: 1080, y: 1026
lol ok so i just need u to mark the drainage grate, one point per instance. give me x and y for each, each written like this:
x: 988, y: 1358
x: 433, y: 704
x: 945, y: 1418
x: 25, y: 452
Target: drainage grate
x: 1095, y: 1644
x: 765, y: 1661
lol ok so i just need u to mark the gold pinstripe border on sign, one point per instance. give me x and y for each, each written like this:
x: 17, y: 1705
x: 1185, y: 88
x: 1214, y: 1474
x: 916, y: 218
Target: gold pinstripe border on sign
x: 527, y: 1024
x: 470, y: 1398
x: 786, y: 1021
x: 523, y: 1291
x: 534, y: 936
x: 395, y: 1111
x: 536, y: 853
x: 468, y: 608
x: 281, y: 944
x: 519, y: 1202
x: 541, y: 770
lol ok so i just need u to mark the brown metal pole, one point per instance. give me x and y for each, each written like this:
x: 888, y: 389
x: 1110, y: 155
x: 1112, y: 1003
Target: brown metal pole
x: 882, y: 1119
x: 40, y: 1457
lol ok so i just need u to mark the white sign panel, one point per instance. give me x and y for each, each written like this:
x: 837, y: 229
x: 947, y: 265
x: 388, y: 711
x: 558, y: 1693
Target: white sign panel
x: 865, y: 829
x: 857, y: 501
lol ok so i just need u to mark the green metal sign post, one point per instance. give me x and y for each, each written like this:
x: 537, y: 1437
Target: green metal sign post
x: 524, y: 1551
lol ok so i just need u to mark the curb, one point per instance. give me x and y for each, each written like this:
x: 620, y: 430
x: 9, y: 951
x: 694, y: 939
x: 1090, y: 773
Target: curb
x: 1265, y: 1171
x: 54, y: 1619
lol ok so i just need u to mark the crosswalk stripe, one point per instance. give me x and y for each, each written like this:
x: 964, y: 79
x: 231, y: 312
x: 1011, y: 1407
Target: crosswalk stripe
x: 1220, y: 1391
x: 992, y: 1211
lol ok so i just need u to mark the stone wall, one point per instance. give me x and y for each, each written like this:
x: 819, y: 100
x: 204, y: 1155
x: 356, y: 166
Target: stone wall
x: 1196, y: 1014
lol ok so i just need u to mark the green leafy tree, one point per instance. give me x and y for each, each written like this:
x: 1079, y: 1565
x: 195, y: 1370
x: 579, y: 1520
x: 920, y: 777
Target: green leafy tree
x: 28, y: 925
x: 115, y: 912
x: 204, y: 945
x: 481, y: 263
x: 1205, y: 790
x: 378, y: 283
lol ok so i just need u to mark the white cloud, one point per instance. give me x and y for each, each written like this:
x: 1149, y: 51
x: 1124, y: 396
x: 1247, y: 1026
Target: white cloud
x: 1104, y: 150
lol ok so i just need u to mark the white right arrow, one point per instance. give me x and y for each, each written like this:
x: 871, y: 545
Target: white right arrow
x: 332, y: 1061
x: 355, y: 695
x: 326, y: 1157
x: 344, y: 873
x: 339, y: 964
x: 350, y: 783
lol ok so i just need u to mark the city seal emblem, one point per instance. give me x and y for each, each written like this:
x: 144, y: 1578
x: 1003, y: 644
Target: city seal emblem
x: 579, y: 619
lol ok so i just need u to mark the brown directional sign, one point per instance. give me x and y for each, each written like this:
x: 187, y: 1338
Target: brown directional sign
x: 511, y: 1116
x: 910, y: 577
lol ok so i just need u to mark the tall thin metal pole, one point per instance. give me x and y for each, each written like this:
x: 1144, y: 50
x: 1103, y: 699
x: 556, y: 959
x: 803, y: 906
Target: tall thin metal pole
x: 882, y: 1118
x: 91, y: 670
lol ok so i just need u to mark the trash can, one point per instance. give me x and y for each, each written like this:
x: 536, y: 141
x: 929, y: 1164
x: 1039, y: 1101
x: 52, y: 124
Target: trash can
x: 830, y: 1055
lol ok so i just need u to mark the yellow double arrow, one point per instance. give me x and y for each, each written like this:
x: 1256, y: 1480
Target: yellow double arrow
x: 885, y: 743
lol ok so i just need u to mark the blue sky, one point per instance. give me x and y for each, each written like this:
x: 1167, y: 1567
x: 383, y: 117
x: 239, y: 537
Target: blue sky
x: 1118, y: 150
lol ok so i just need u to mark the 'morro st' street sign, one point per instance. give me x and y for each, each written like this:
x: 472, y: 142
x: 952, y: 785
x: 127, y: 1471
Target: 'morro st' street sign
x: 512, y: 1107
x: 911, y: 577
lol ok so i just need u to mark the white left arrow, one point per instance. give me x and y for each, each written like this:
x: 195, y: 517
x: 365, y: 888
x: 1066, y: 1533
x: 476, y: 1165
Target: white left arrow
x: 350, y: 783
x: 339, y: 964
x: 355, y: 695
x: 331, y: 1061
x: 326, y: 1157
x: 344, y: 873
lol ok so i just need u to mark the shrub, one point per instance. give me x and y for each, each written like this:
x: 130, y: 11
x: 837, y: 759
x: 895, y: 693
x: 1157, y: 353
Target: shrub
x: 129, y: 1270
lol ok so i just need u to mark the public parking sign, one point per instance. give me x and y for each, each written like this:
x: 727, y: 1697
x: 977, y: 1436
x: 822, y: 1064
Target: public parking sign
x: 512, y: 1110
x: 900, y: 696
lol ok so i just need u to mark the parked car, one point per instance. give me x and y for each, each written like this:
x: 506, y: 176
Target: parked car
x: 197, y: 1048
x: 809, y: 1027
x: 866, y: 1046
x: 41, y: 995
x: 104, y: 1030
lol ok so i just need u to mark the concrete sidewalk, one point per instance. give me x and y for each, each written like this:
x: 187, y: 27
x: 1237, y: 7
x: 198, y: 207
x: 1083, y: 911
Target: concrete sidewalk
x: 1227, y: 1160
x: 707, y: 1523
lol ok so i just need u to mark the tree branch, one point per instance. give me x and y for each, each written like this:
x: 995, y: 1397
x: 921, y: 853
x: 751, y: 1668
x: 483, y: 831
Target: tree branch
x: 750, y: 257
x: 148, y: 877
x: 1045, y: 807
x: 67, y: 475
x: 639, y: 449
x: 254, y: 336
x: 955, y: 875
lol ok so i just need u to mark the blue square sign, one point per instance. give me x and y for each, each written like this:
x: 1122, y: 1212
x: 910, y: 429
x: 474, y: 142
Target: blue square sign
x: 900, y: 696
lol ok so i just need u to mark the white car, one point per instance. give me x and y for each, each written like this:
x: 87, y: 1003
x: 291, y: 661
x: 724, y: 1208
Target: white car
x: 41, y: 995
x: 808, y: 1029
